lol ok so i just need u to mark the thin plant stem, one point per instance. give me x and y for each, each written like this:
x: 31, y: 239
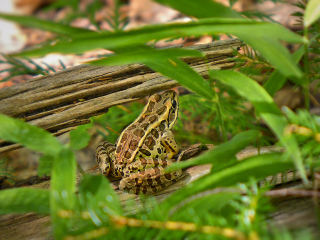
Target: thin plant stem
x: 223, y: 131
x: 306, y: 70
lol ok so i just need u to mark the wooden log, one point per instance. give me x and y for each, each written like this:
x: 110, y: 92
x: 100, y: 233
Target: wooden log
x: 61, y: 101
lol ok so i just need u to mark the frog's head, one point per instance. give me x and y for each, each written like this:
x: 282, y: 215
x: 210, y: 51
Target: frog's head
x: 171, y: 100
x: 161, y: 109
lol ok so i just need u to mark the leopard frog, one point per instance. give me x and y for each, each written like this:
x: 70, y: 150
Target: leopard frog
x: 144, y: 148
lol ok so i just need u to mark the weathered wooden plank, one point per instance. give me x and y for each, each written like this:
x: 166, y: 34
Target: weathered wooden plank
x: 61, y: 101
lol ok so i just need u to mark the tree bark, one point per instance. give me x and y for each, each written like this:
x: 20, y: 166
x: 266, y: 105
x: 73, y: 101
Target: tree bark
x: 61, y: 101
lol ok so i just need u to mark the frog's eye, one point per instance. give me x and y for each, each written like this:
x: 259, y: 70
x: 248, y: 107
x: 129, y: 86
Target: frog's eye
x: 174, y: 103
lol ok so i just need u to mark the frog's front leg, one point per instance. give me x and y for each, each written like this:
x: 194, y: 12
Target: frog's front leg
x: 168, y: 141
x: 150, y: 179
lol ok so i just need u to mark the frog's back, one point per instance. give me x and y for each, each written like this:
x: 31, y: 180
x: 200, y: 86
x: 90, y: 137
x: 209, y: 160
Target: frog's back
x: 160, y: 110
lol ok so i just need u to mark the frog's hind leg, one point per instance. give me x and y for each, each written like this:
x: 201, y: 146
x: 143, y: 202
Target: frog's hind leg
x: 150, y: 180
x: 104, y: 155
x: 150, y: 184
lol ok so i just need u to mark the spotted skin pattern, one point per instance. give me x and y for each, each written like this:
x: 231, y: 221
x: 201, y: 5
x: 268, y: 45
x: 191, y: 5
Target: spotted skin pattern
x: 144, y: 148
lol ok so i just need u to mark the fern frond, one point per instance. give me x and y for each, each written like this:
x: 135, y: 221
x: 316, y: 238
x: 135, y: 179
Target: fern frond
x: 27, y: 67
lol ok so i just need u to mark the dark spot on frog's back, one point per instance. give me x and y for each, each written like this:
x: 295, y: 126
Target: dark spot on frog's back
x: 155, y: 133
x: 150, y: 106
x: 162, y: 125
x: 127, y: 155
x: 161, y: 110
x: 150, y: 142
x: 145, y: 152
x: 153, y: 118
x: 159, y: 150
x: 141, y: 119
x: 133, y: 144
x: 124, y: 137
x: 138, y: 133
x: 145, y: 126
x: 118, y: 150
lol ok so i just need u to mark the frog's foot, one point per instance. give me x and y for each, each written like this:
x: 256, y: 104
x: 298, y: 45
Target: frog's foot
x: 150, y: 180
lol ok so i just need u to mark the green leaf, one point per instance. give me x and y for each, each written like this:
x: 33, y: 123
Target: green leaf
x: 183, y: 73
x: 277, y: 79
x: 44, y: 25
x: 32, y: 137
x: 201, y: 9
x: 45, y: 165
x: 104, y: 195
x: 268, y: 110
x: 278, y: 56
x: 143, y: 54
x: 200, y: 205
x: 23, y: 200
x: 79, y: 138
x: 292, y: 117
x: 166, y: 62
x: 252, y: 91
x: 63, y: 186
x: 63, y: 177
x: 265, y: 39
x: 222, y: 154
x: 312, y: 13
x: 258, y: 167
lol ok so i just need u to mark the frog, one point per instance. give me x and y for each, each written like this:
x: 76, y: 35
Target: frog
x: 144, y: 148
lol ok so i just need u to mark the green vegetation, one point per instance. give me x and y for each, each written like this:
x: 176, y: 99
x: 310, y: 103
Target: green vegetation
x: 227, y: 203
